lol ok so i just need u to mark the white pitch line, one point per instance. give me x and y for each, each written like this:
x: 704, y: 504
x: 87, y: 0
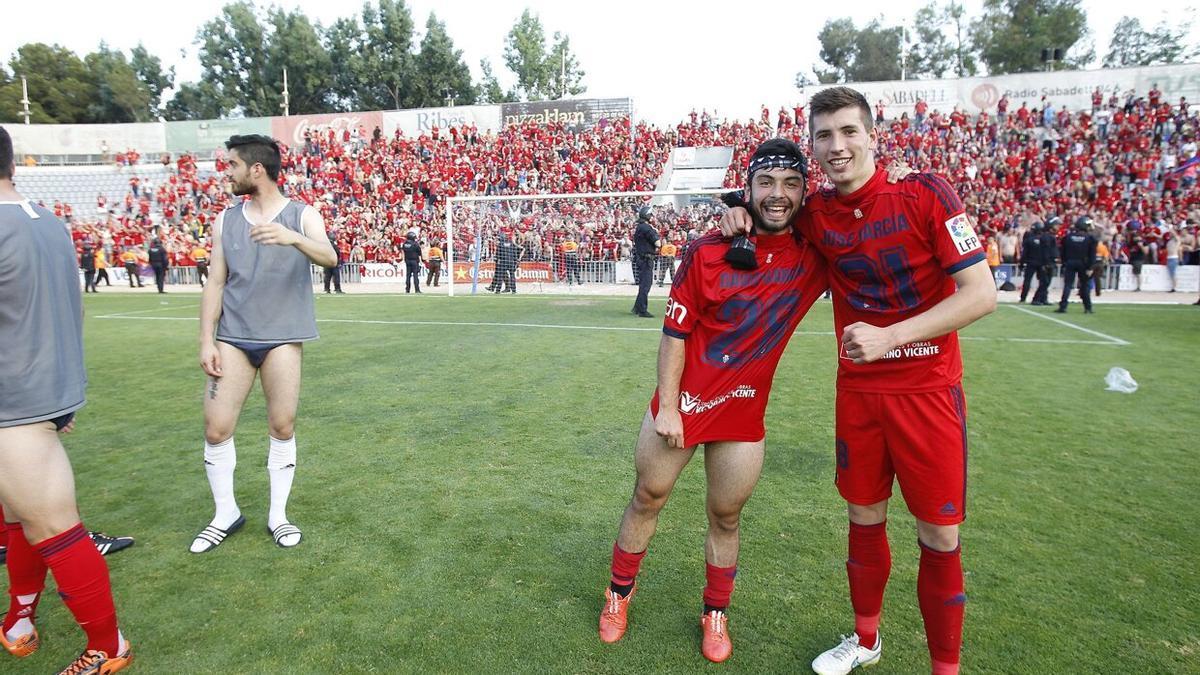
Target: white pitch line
x: 381, y: 322
x: 1068, y: 324
x: 119, y: 315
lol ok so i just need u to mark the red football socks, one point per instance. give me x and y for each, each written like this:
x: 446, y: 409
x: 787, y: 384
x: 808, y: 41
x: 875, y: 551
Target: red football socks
x: 940, y: 593
x: 720, y: 585
x: 26, y: 576
x: 83, y: 585
x: 868, y: 564
x: 625, y: 566
x: 3, y: 530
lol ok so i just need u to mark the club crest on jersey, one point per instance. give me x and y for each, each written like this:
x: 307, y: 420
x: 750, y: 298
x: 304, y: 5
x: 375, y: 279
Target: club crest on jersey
x: 962, y: 234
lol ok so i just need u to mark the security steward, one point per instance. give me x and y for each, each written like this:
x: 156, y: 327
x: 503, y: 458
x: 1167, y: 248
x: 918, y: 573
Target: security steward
x: 433, y: 262
x: 666, y: 262
x: 1078, y: 256
x: 129, y: 259
x: 199, y: 256
x: 1031, y: 259
x: 645, y: 246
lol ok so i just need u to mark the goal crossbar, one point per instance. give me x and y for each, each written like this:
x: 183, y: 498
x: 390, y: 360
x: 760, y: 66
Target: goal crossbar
x: 451, y: 201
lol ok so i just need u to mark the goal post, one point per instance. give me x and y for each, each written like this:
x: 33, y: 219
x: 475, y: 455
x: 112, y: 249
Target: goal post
x: 561, y: 239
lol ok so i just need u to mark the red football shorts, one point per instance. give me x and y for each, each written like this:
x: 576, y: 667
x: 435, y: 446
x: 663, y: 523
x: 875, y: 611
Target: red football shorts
x: 919, y: 439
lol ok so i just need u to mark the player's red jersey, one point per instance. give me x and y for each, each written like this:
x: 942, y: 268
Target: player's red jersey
x: 735, y: 325
x: 891, y: 251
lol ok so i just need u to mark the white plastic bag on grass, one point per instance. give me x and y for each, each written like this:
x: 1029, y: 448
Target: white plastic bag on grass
x: 1119, y: 379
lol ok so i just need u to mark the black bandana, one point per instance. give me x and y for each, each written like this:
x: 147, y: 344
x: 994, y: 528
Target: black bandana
x: 777, y: 153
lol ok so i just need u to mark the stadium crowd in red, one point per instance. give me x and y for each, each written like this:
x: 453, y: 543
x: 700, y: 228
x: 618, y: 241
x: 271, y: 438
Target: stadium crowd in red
x: 1130, y: 162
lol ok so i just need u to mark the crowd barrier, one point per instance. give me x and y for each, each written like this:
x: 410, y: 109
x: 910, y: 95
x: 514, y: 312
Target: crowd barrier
x: 1116, y: 277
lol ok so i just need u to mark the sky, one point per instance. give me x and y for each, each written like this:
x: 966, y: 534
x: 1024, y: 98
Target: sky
x: 668, y: 56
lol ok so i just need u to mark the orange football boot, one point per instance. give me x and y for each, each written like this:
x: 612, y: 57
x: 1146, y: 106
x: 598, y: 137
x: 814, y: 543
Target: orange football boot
x: 22, y: 646
x: 614, y: 617
x: 96, y: 662
x: 715, y: 643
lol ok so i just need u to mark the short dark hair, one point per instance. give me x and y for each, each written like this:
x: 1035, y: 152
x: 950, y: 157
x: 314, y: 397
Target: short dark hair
x: 6, y: 155
x: 836, y: 98
x: 257, y: 149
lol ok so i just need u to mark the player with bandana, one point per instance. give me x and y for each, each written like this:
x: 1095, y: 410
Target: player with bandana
x: 724, y: 331
x: 907, y: 272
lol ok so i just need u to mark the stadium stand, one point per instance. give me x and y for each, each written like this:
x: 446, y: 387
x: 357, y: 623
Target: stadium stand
x: 1129, y: 164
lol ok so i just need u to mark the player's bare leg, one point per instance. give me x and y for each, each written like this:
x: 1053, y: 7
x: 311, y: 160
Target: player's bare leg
x: 732, y: 469
x: 280, y: 374
x: 223, y: 400
x: 37, y: 487
x: 658, y: 467
x: 940, y: 594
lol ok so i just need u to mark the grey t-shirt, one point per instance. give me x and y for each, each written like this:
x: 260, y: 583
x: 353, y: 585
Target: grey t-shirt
x: 268, y: 295
x: 41, y: 319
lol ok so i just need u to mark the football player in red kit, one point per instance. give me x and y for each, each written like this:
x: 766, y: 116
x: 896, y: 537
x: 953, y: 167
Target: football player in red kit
x: 907, y: 271
x: 724, y: 331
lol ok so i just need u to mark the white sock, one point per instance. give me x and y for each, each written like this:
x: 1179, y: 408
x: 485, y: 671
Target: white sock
x: 219, y: 462
x: 24, y: 625
x: 281, y: 468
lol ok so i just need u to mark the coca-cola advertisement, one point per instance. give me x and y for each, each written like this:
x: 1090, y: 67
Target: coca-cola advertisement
x: 290, y: 130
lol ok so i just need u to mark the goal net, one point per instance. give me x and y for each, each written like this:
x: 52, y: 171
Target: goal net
x: 563, y: 243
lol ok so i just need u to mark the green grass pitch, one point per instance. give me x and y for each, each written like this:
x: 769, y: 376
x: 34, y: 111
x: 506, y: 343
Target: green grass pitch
x: 463, y: 466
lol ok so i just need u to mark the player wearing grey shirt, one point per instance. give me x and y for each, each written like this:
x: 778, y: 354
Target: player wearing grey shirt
x: 256, y: 311
x: 42, y: 382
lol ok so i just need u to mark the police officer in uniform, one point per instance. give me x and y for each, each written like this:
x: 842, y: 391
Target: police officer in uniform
x: 645, y: 246
x: 1078, y: 256
x: 87, y: 263
x: 1049, y: 247
x: 334, y: 274
x: 412, y: 262
x: 159, y: 262
x: 1031, y: 258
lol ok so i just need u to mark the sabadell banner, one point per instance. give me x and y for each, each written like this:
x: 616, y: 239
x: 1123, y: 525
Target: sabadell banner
x: 1072, y: 89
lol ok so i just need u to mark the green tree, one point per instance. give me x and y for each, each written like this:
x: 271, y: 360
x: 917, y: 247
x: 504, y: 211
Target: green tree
x: 120, y: 95
x: 233, y: 56
x: 1011, y: 34
x: 854, y: 55
x: 564, y: 76
x: 940, y: 46
x: 525, y: 55
x: 489, y: 87
x: 837, y: 38
x: 1131, y: 45
x: 149, y: 71
x: 384, y: 64
x: 343, y: 40
x: 877, y: 56
x: 541, y: 73
x: 441, y: 76
x: 60, y: 86
x: 295, y: 45
x: 194, y: 101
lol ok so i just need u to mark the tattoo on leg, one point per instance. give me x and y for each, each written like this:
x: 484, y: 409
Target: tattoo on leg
x: 212, y: 388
